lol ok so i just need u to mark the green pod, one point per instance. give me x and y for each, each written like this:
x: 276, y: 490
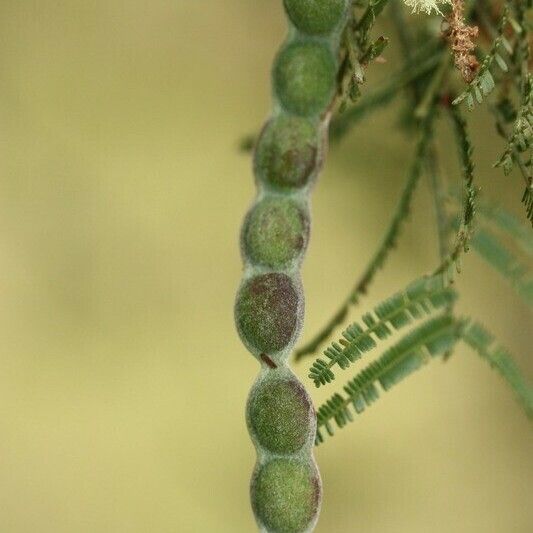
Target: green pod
x: 315, y: 17
x: 280, y: 415
x: 286, y: 489
x: 268, y: 312
x: 286, y: 495
x: 288, y: 152
x: 275, y: 232
x: 304, y: 77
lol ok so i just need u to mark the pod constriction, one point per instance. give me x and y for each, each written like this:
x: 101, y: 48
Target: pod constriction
x: 286, y: 489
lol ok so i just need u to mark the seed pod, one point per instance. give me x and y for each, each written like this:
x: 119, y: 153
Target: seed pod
x: 304, y: 77
x: 280, y: 481
x: 268, y: 312
x: 315, y: 17
x: 287, y: 154
x: 286, y: 488
x: 275, y: 232
x: 280, y: 415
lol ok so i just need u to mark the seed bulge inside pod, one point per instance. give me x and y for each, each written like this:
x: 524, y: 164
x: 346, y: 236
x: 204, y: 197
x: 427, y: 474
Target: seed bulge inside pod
x: 315, y: 17
x: 267, y: 312
x: 304, y: 77
x: 287, y: 152
x: 286, y: 495
x: 281, y: 415
x: 275, y: 232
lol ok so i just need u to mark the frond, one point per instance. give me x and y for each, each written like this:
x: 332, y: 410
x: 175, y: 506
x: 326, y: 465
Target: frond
x: 505, y: 262
x: 521, y: 138
x: 419, y: 299
x: 519, y: 148
x: 496, y: 254
x: 499, y: 358
x: 508, y: 223
x: 434, y: 338
x: 452, y: 263
x: 388, y: 242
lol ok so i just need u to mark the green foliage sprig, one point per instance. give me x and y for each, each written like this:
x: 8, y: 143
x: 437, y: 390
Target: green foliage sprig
x: 433, y: 338
x: 507, y: 223
x: 505, y: 262
x: 520, y: 143
x: 419, y: 299
x: 522, y: 135
x: 499, y: 358
x: 452, y: 262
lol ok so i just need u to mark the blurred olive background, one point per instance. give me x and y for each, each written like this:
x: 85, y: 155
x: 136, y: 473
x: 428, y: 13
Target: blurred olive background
x: 122, y: 381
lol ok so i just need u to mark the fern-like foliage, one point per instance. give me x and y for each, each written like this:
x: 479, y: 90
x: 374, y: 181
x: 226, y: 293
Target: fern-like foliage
x: 452, y: 262
x: 497, y: 255
x: 419, y: 299
x: 521, y: 138
x: 505, y: 113
x: 433, y: 338
x: 519, y: 148
x: 499, y: 358
x: 505, y: 262
x: 483, y: 84
x: 507, y: 223
x: 388, y: 242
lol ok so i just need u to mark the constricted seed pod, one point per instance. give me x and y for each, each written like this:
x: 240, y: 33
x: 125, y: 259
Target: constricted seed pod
x: 287, y: 153
x: 304, y: 77
x: 268, y: 312
x: 275, y: 232
x: 315, y: 17
x: 286, y: 489
x: 281, y: 416
x: 286, y: 495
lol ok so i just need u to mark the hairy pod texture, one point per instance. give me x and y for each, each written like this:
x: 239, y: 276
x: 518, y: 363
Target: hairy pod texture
x: 286, y: 489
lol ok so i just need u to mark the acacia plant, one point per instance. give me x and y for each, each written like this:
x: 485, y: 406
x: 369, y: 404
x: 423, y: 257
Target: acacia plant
x: 478, y: 53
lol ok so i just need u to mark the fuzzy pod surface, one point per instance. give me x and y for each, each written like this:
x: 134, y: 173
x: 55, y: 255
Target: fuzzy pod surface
x: 286, y: 489
x: 275, y: 232
x: 287, y: 154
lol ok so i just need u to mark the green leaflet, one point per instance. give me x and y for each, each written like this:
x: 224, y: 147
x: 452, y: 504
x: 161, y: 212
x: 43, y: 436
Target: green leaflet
x: 499, y: 358
x: 505, y: 262
x: 433, y: 338
x: 419, y: 299
x: 497, y: 255
x: 464, y: 232
x: 520, y: 145
x: 507, y: 223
